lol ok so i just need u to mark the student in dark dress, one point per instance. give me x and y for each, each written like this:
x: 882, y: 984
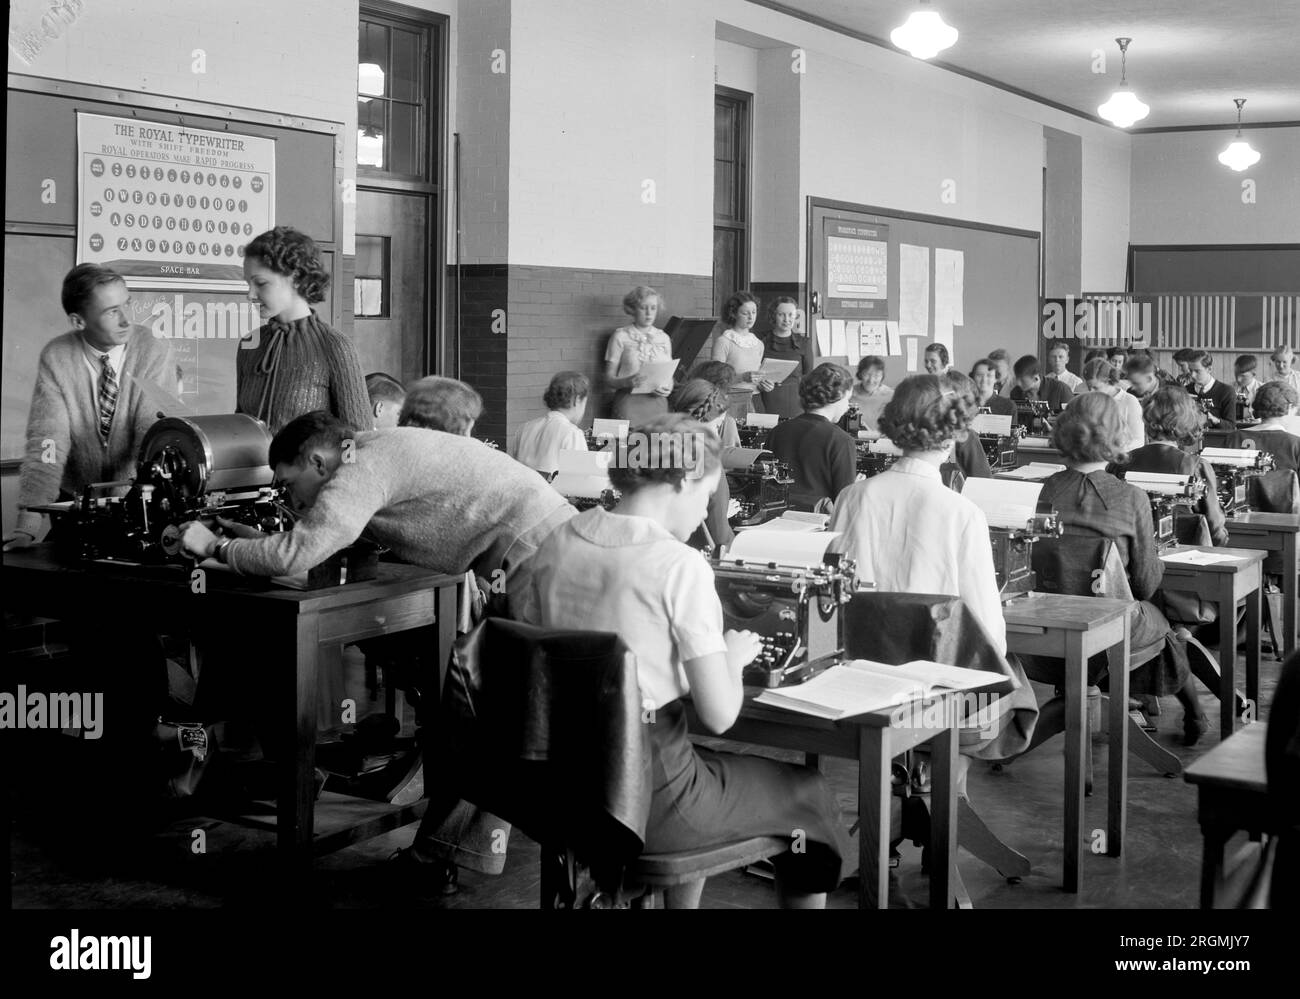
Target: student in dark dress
x: 1219, y: 399
x: 1030, y: 385
x: 1273, y: 401
x: 628, y: 571
x: 967, y: 452
x: 706, y: 403
x: 822, y: 457
x: 782, y: 343
x: 985, y: 376
x: 1089, y: 501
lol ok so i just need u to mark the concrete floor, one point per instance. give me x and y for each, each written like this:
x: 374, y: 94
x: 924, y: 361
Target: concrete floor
x: 84, y: 858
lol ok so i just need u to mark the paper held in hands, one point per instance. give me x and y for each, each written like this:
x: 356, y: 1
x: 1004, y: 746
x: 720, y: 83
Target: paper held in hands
x: 659, y: 374
x: 861, y: 686
x: 776, y: 371
x: 1009, y: 505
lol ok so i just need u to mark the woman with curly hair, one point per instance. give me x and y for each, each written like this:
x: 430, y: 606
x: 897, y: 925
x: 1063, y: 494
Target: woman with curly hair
x: 906, y: 530
x: 630, y: 347
x: 739, y: 347
x: 705, y: 403
x: 784, y: 343
x: 628, y: 571
x: 1091, y: 502
x: 822, y: 457
x: 300, y: 364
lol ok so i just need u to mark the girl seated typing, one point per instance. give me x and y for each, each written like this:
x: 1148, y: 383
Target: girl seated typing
x: 822, y: 457
x: 629, y: 572
x: 1089, y: 501
x: 706, y: 403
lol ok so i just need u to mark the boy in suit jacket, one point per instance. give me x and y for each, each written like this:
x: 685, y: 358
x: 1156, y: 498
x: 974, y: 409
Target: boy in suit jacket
x: 1218, y: 399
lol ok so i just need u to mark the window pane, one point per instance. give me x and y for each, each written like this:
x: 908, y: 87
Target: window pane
x: 724, y: 132
x: 725, y: 267
x: 404, y: 153
x: 372, y: 60
x: 370, y: 291
x: 370, y: 132
x: 404, y: 82
x: 724, y: 191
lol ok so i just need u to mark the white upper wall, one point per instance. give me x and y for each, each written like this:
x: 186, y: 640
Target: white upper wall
x: 1182, y: 193
x: 736, y: 66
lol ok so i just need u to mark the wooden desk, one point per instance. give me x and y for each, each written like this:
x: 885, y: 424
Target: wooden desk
x: 285, y: 630
x: 1074, y: 629
x: 1232, y: 794
x: 873, y: 741
x: 1225, y: 583
x: 1274, y: 532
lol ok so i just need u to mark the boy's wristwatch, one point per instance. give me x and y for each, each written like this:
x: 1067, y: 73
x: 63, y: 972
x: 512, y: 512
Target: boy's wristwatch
x: 218, y: 552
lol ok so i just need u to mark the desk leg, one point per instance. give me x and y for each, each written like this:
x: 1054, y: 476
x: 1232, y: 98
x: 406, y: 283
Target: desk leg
x: 873, y: 818
x: 1117, y: 765
x: 1076, y: 731
x: 295, y: 809
x: 1290, y: 596
x: 1211, y: 865
x: 446, y: 610
x: 1254, y: 603
x: 943, y: 818
x: 1227, y: 657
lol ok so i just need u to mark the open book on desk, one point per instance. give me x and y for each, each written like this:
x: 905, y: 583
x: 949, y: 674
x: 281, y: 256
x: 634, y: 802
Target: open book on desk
x: 1009, y: 505
x: 862, y: 686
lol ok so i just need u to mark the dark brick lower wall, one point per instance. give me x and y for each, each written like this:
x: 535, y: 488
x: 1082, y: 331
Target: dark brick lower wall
x: 483, y: 353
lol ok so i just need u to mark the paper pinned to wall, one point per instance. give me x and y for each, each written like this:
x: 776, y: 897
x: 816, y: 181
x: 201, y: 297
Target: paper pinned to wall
x: 911, y: 353
x: 823, y: 337
x: 895, y: 341
x: 950, y: 283
x: 872, y: 339
x: 852, y: 344
x: 837, y: 338
x: 913, y: 290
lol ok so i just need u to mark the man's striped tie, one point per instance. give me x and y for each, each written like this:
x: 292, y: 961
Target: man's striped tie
x: 107, y: 396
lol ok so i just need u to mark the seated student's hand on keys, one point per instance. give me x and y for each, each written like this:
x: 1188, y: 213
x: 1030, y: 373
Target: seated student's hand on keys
x: 743, y: 648
x: 197, y: 539
x: 237, y: 530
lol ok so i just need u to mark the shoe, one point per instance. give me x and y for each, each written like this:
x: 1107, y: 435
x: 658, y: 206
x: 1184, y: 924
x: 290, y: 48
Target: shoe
x: 430, y: 879
x: 1193, y: 728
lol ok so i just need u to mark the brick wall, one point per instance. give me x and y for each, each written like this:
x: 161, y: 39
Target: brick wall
x: 483, y: 352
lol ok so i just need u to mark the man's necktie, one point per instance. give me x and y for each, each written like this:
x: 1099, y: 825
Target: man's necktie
x: 107, y: 396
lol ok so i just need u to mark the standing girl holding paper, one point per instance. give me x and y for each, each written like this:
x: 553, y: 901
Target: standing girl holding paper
x: 739, y: 347
x: 783, y: 343
x: 631, y: 348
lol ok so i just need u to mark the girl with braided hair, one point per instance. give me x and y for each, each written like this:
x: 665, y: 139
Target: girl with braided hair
x: 706, y: 403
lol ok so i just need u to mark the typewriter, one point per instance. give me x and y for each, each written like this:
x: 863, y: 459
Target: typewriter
x: 875, y: 453
x: 756, y: 429
x: 758, y: 482
x: 1013, y: 551
x: 604, y: 433
x: 999, y: 437
x: 582, y: 478
x: 1035, y: 416
x: 798, y: 611
x: 191, y: 468
x: 1232, y: 468
x: 1244, y: 415
x: 852, y: 421
x: 1172, y: 498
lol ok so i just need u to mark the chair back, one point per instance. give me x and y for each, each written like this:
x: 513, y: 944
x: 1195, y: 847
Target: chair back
x: 1277, y: 491
x: 1082, y: 566
x: 545, y: 729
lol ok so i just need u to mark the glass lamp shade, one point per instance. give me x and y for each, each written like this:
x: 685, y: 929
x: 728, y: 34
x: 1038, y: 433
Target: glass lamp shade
x: 1123, y: 108
x: 924, y: 34
x: 1239, y: 155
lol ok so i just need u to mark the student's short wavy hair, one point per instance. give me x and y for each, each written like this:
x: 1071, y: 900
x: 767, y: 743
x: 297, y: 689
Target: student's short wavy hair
x: 384, y: 388
x: 699, y: 399
x: 732, y: 308
x: 869, y: 362
x: 80, y: 283
x: 1202, y: 357
x: 824, y: 385
x: 638, y: 295
x: 940, y: 349
x: 720, y: 373
x: 299, y: 437
x: 566, y: 389
x: 437, y: 403
x: 1090, y: 429
x: 984, y: 362
x: 669, y: 461
x: 1172, y: 415
x: 926, y: 412
x: 1183, y: 356
x: 1026, y: 367
x: 1281, y: 351
x: 1244, y: 363
x: 294, y: 255
x: 1274, y: 399
x: 1140, y: 364
x: 1099, y: 370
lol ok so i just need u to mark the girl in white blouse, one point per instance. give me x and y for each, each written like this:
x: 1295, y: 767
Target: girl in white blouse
x: 629, y: 572
x: 739, y: 347
x: 629, y: 349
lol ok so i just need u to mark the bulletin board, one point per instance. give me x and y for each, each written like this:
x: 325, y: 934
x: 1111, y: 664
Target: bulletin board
x: 41, y: 234
x: 979, y: 281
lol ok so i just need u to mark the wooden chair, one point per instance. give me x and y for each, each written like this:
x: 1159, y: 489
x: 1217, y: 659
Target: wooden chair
x: 1090, y: 566
x: 1277, y: 491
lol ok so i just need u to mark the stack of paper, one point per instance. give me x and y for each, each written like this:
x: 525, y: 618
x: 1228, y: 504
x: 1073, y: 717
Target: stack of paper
x: 795, y: 549
x: 861, y: 686
x: 582, y: 473
x: 1009, y: 505
x: 1035, y: 471
x: 1198, y: 556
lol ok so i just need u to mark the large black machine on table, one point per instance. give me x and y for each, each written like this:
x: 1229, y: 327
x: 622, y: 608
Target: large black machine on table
x: 195, y: 468
x: 1173, y: 498
x: 876, y: 453
x: 1233, y: 468
x: 1000, y: 449
x: 1013, y: 551
x: 798, y: 611
x: 759, y: 484
x: 1035, y: 416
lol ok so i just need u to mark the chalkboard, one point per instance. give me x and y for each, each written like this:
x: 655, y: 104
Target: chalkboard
x: 1166, y: 270
x: 1001, y: 278
x: 40, y: 217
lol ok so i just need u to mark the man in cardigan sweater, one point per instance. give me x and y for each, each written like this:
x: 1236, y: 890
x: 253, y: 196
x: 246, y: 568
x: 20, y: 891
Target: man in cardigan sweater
x: 98, y: 390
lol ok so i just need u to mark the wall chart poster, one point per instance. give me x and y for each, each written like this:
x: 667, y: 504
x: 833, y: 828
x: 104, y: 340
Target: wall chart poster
x: 857, y: 270
x: 166, y: 204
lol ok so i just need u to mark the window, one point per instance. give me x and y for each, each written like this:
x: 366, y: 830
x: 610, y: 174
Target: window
x: 393, y: 98
x: 371, y: 288
x: 730, y: 194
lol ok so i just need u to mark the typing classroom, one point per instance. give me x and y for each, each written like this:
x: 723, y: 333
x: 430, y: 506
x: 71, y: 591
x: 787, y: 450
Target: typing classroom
x: 652, y: 454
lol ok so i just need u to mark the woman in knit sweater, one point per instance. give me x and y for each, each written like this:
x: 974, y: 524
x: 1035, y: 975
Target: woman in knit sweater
x: 301, y: 364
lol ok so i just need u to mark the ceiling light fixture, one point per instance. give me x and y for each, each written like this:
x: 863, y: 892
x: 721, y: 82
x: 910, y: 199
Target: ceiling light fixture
x: 924, y: 34
x: 1123, y: 108
x: 1239, y: 155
